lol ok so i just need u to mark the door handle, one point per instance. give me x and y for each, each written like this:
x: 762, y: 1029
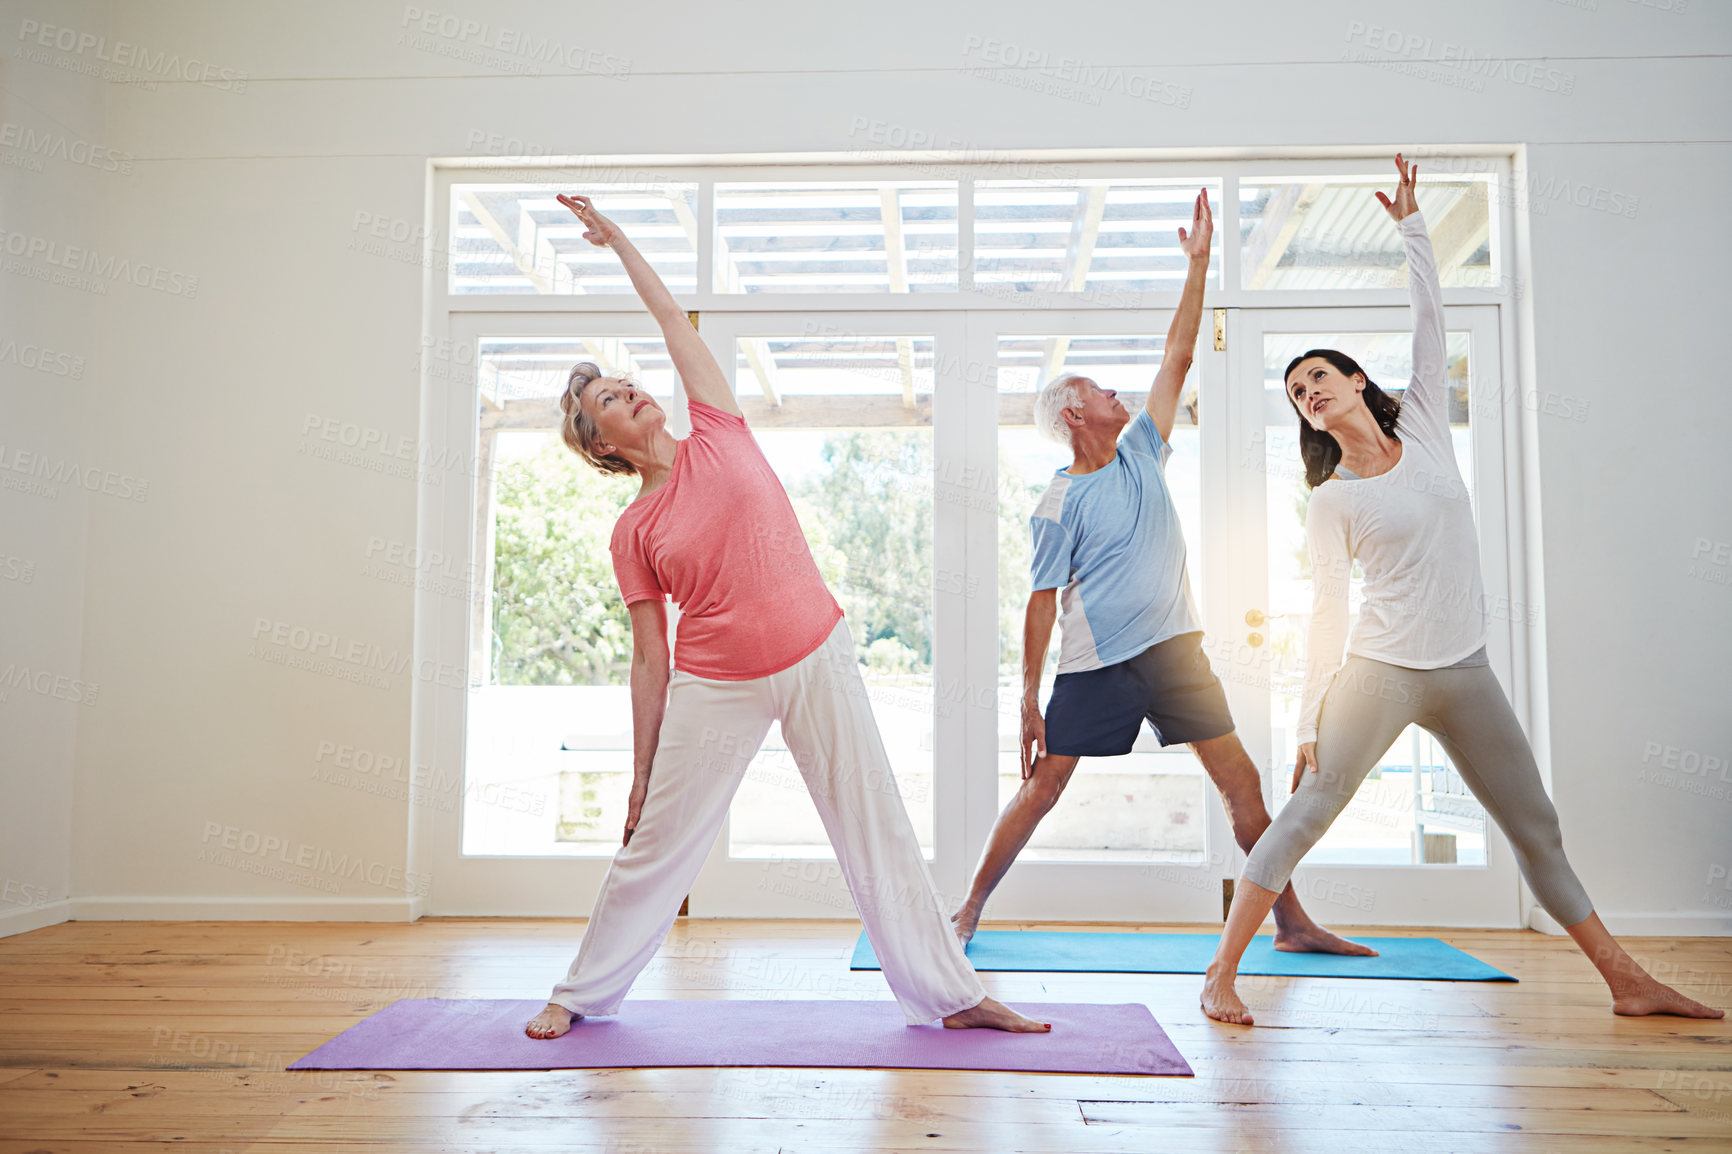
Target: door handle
x: 1256, y: 619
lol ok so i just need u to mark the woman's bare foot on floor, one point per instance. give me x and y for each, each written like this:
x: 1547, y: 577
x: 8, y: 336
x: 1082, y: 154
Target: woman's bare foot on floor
x: 1651, y: 997
x: 550, y: 1023
x: 965, y: 921
x: 1314, y: 939
x: 1221, y: 1001
x: 991, y: 1015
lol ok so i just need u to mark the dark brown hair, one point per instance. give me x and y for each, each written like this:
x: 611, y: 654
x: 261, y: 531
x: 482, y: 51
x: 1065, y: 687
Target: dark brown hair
x: 1320, y: 452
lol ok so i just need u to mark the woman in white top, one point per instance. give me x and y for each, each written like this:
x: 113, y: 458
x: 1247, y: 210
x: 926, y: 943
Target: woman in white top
x: 1388, y: 494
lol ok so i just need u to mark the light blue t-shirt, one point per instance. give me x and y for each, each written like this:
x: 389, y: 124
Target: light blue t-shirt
x: 1111, y: 541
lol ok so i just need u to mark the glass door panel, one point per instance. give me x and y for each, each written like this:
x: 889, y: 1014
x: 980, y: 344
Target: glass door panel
x: 1148, y: 804
x: 845, y: 421
x: 1413, y: 808
x: 846, y: 411
x: 548, y: 764
x: 1415, y: 846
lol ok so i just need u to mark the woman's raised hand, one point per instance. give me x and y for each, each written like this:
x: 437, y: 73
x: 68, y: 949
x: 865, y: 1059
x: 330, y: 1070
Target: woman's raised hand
x: 1196, y: 242
x: 1403, y: 204
x: 598, y: 230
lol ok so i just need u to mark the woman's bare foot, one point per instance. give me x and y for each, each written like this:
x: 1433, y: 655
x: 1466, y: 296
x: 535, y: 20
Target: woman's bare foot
x: 1652, y: 997
x: 991, y: 1015
x: 1221, y: 1001
x: 550, y: 1023
x: 965, y: 921
x: 1314, y: 939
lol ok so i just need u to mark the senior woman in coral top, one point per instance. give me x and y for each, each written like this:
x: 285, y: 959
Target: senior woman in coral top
x: 760, y: 640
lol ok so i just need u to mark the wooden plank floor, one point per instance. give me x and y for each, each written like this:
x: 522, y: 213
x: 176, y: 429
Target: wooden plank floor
x: 160, y: 1035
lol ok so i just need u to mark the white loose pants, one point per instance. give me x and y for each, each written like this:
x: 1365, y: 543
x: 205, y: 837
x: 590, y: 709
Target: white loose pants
x: 709, y: 734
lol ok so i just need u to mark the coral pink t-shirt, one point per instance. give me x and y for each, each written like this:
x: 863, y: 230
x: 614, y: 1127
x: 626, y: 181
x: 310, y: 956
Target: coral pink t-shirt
x: 720, y: 537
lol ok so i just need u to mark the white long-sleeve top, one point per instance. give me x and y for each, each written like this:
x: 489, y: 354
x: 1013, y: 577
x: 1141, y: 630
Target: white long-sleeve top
x: 1411, y: 528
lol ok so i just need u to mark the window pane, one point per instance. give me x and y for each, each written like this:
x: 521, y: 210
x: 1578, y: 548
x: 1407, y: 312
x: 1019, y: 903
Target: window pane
x: 854, y: 450
x: 1148, y: 804
x: 520, y: 239
x: 835, y: 237
x: 1100, y: 237
x: 1413, y: 808
x: 1335, y: 234
x: 552, y: 722
x: 537, y: 368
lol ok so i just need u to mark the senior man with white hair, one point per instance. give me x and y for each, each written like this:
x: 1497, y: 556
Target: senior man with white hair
x: 1107, y: 534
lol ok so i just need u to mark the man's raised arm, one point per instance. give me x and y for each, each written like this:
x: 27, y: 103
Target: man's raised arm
x: 1163, y: 402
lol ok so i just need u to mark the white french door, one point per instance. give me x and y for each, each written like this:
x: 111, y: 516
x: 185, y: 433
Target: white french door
x: 1414, y: 847
x: 1134, y: 838
x: 931, y: 411
x: 864, y: 418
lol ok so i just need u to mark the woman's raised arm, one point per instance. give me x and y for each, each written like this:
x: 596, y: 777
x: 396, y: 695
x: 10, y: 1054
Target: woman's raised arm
x: 1427, y: 394
x: 698, y: 370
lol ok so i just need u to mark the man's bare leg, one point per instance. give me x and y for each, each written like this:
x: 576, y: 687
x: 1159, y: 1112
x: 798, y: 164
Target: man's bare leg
x: 1235, y: 776
x: 992, y: 1015
x: 1635, y: 992
x: 551, y: 1022
x: 1251, y: 903
x: 1034, y: 800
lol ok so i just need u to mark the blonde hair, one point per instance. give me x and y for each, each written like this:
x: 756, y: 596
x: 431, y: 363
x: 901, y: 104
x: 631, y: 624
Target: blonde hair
x: 579, y: 429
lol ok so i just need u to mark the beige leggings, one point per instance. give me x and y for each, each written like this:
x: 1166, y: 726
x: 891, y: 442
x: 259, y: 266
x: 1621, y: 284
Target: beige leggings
x: 1367, y: 706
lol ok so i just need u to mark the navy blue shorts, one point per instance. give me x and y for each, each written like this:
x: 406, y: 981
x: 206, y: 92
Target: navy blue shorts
x: 1096, y: 713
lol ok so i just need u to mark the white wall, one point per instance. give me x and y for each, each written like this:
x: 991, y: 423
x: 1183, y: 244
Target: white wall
x: 53, y: 371
x: 255, y: 193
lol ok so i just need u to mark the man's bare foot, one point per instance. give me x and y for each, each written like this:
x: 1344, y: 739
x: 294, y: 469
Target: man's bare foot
x: 1221, y: 1001
x: 1314, y: 939
x: 550, y: 1023
x: 991, y: 1015
x: 965, y: 921
x: 1651, y: 997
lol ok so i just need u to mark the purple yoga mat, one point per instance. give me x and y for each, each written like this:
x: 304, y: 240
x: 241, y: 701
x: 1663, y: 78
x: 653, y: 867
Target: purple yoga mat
x: 477, y: 1034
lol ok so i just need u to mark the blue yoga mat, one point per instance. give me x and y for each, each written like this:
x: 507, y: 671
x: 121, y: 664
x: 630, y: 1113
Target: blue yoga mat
x: 1416, y: 959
